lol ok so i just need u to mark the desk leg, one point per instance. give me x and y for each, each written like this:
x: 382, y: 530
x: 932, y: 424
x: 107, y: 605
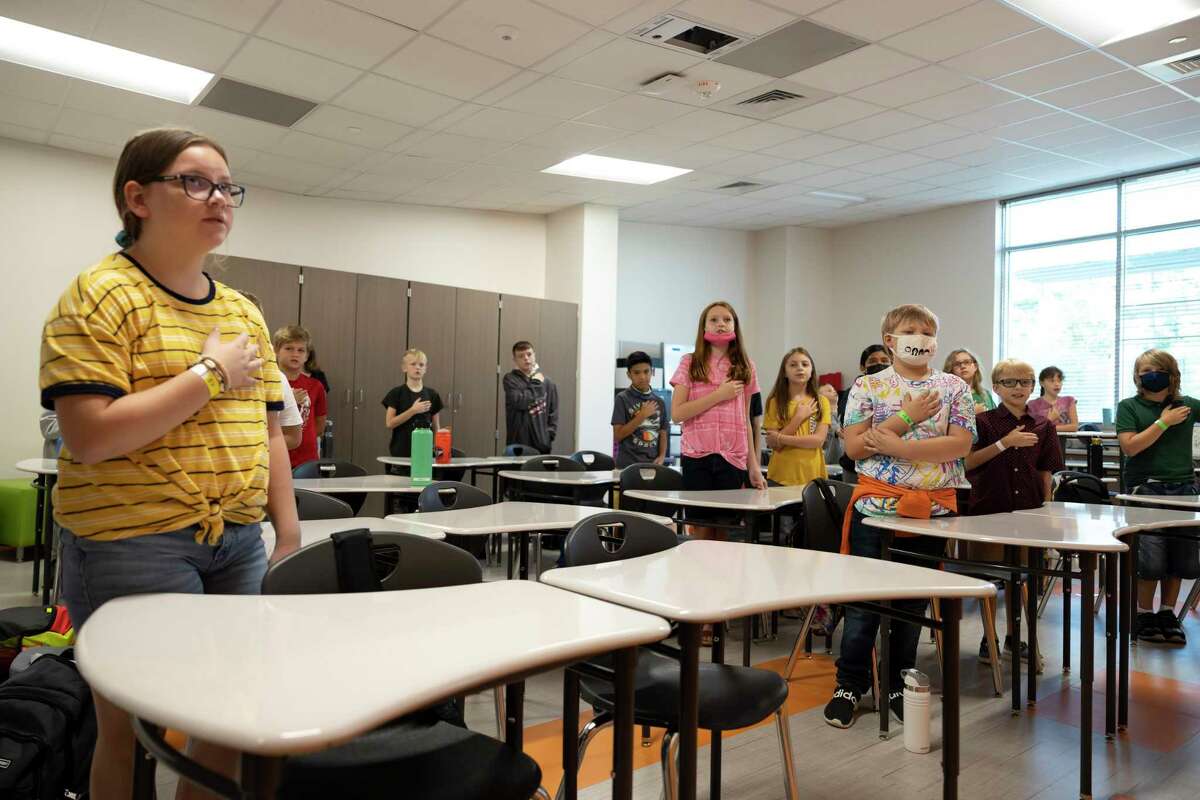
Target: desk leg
x: 1012, y: 599
x: 1110, y: 644
x: 622, y: 785
x: 747, y: 635
x: 570, y: 737
x: 49, y: 562
x: 884, y: 653
x: 39, y: 484
x: 714, y: 772
x: 1066, y: 623
x: 260, y: 776
x: 1035, y: 562
x: 1087, y: 645
x: 522, y: 555
x: 951, y: 614
x: 1127, y: 609
x: 689, y: 707
x: 514, y: 722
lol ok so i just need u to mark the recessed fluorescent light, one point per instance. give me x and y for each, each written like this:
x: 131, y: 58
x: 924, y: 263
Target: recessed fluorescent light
x: 75, y: 57
x: 1178, y: 40
x: 849, y: 198
x: 1102, y: 22
x: 603, y: 168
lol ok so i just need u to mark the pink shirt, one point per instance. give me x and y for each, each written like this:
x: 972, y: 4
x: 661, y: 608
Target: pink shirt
x: 722, y: 429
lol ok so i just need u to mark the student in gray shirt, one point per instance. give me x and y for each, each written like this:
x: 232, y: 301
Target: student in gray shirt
x: 639, y: 419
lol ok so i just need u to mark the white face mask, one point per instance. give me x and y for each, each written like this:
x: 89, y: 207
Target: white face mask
x: 915, y: 349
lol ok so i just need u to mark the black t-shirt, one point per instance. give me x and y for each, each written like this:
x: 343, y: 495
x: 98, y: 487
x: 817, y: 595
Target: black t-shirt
x: 401, y: 398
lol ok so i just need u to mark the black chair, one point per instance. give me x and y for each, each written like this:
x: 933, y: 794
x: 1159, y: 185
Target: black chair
x: 331, y: 468
x: 447, y: 495
x: 594, y: 460
x: 546, y: 493
x: 314, y: 505
x: 649, y: 476
x: 1080, y: 487
x: 731, y: 697
x: 521, y: 450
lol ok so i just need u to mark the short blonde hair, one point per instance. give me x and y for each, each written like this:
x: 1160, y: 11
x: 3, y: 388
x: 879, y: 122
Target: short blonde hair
x: 412, y: 351
x: 909, y: 312
x: 291, y: 333
x: 1162, y: 361
x: 1010, y: 365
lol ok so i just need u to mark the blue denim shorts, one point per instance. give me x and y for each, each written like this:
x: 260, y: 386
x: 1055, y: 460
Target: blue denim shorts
x: 1161, y: 557
x: 95, y: 572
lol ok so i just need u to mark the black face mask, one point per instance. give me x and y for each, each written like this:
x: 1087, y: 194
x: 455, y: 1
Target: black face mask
x: 1155, y: 381
x: 871, y: 370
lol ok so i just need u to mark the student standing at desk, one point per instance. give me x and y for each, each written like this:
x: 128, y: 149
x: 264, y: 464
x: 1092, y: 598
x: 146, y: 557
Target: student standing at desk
x: 169, y: 458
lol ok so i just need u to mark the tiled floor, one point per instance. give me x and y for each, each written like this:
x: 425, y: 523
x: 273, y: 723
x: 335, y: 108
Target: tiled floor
x: 1033, y: 756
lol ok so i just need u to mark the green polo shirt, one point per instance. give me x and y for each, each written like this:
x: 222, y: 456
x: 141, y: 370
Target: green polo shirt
x: 1170, y: 458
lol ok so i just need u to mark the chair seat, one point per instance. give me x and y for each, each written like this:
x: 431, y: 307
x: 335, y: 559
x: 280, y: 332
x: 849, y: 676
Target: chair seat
x: 414, y: 760
x: 730, y: 696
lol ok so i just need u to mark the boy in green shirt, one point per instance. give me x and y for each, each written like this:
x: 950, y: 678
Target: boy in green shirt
x: 1154, y: 429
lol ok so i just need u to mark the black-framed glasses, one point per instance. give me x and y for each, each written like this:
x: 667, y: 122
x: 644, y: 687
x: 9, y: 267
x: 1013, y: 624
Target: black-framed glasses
x: 201, y: 188
x: 1012, y: 383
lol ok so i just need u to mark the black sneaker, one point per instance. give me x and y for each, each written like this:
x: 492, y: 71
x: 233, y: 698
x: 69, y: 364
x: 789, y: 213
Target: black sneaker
x: 896, y: 705
x: 839, y: 711
x: 1168, y: 623
x: 985, y: 655
x: 1147, y: 627
x: 1008, y: 649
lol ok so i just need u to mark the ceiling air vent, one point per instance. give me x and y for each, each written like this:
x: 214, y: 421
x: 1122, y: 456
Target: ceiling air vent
x: 741, y: 187
x: 234, y: 97
x: 772, y: 100
x: 1184, y: 66
x: 1177, y: 67
x: 679, y: 33
x: 773, y: 96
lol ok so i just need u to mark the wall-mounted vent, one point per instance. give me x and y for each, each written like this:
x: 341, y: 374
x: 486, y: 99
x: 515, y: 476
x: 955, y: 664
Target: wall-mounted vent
x: 680, y: 33
x: 1175, y: 68
x: 234, y: 97
x: 772, y: 100
x: 773, y: 96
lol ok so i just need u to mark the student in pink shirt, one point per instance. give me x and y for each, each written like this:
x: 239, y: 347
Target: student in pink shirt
x: 713, y: 386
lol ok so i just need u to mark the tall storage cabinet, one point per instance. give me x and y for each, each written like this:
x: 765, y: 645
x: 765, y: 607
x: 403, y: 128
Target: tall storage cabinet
x: 381, y: 330
x: 328, y: 299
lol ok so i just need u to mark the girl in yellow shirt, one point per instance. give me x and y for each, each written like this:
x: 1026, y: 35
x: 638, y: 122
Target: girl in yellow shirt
x: 797, y: 420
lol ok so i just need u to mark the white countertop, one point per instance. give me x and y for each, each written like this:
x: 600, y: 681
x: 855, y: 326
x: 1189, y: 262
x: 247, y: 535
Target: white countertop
x: 770, y: 499
x: 509, y: 517
x: 258, y: 673
x: 358, y: 485
x: 1077, y: 533
x: 1175, y: 501
x: 459, y: 462
x: 314, y: 530
x: 585, y: 478
x: 38, y: 466
x: 710, y: 581
x: 1122, y: 519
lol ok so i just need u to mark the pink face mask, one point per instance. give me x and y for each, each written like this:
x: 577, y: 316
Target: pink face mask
x: 719, y: 338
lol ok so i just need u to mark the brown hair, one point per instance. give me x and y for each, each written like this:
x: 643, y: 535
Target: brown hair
x: 781, y: 391
x: 977, y: 381
x: 145, y: 156
x: 739, y: 361
x: 1162, y: 361
x: 291, y: 333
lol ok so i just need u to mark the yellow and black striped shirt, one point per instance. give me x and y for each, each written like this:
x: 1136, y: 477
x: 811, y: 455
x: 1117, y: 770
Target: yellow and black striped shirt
x: 116, y: 330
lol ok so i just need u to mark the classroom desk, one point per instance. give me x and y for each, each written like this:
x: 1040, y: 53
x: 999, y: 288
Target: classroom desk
x: 679, y: 584
x: 284, y: 690
x: 475, y: 465
x: 576, y: 482
x: 371, y: 484
x: 46, y: 470
x: 315, y: 530
x: 512, y: 516
x: 1077, y: 533
x: 1181, y: 501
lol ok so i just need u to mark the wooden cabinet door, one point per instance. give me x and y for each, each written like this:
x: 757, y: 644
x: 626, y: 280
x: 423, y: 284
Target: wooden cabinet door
x: 520, y: 319
x: 557, y: 350
x: 431, y: 329
x: 473, y: 406
x: 327, y: 309
x: 277, y: 286
x: 381, y: 323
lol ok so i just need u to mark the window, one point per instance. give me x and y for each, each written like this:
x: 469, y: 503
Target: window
x: 1095, y: 276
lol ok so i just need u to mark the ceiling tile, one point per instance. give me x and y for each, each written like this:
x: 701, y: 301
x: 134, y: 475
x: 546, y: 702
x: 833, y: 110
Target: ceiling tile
x: 317, y: 150
x: 76, y: 17
x: 334, y: 31
x: 919, y: 137
x: 386, y: 185
x: 332, y: 122
x: 1038, y: 126
x: 700, y: 156
x: 808, y: 146
x: 165, y: 34
x: 635, y: 113
x: 1163, y: 131
x: 958, y: 146
x: 576, y: 137
x: 497, y: 123
x: 870, y: 19
x: 279, y: 183
x: 756, y: 137
x: 410, y: 167
x: 892, y: 162
x: 1091, y: 91
x: 34, y: 84
x: 112, y: 151
x: 28, y: 113
x: 701, y: 125
x: 273, y: 66
x: 575, y: 50
x: 1080, y: 67
x: 541, y: 31
x: 647, y: 147
x: 733, y: 82
x: 961, y: 101
x: 350, y: 194
x: 1018, y: 53
x: 120, y: 104
x: 445, y: 68
x: 833, y: 178
x: 849, y: 156
x: 969, y: 28
x: 410, y: 13
x: 745, y: 15
x: 399, y: 102
x: 513, y: 85
x: 857, y: 69
x: 748, y: 164
x: 878, y: 126
x: 560, y: 98
x: 911, y: 87
x: 242, y: 15
x: 1003, y: 114
x: 626, y: 64
x: 1141, y: 120
x: 828, y: 114
x: 594, y: 12
x: 71, y: 122
x: 452, y: 147
x: 920, y: 171
x: 24, y: 134
x: 1129, y: 103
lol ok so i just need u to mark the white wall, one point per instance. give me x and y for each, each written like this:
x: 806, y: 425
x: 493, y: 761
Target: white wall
x: 59, y: 219
x: 944, y: 259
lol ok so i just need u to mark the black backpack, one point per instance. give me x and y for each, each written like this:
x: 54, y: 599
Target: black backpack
x: 47, y: 731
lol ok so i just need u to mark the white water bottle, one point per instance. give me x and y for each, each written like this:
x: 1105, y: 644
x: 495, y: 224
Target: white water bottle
x: 916, y: 711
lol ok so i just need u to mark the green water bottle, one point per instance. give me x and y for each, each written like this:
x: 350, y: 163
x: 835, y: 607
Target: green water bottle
x: 422, y: 457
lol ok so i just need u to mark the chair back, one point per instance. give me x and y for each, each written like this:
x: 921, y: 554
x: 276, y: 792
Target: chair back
x: 826, y: 504
x: 614, y: 536
x: 593, y: 460
x: 552, y: 464
x: 314, y: 505
x: 649, y: 476
x: 328, y: 468
x: 520, y: 450
x: 447, y: 495
x: 1081, y: 487
x: 395, y: 560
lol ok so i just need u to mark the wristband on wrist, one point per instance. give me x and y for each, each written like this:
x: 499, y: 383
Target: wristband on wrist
x: 217, y: 368
x: 903, y: 415
x: 210, y: 377
x: 1162, y: 424
x: 1001, y: 446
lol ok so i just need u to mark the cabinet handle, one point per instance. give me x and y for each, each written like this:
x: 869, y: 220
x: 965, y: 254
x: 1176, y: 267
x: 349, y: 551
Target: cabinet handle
x: 348, y: 397
x: 360, y: 397
x: 460, y: 403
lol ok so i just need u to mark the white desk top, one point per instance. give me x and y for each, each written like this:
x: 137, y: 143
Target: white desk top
x: 461, y: 462
x: 1075, y: 533
x: 314, y: 530
x: 710, y: 581
x: 508, y: 517
x: 586, y: 478
x: 1090, y: 434
x: 1175, y: 501
x: 358, y: 485
x: 256, y: 673
x: 1123, y: 520
x: 38, y: 466
x: 772, y: 498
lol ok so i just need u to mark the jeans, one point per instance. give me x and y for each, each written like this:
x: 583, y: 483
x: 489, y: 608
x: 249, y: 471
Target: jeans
x: 860, y: 627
